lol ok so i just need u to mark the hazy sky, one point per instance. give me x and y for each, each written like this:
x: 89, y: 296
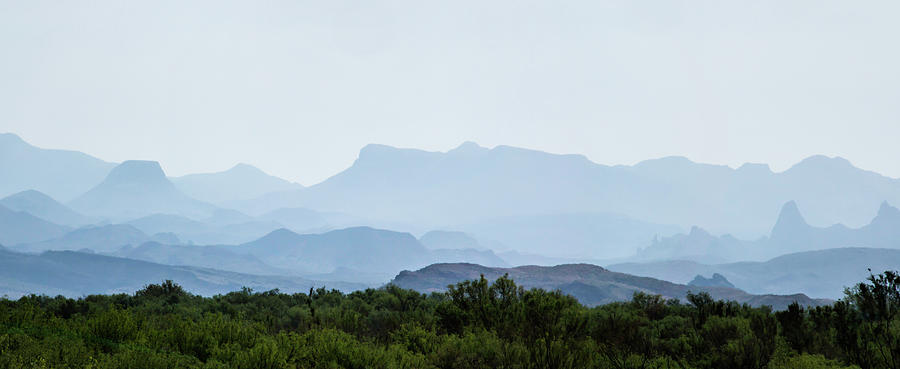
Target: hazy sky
x: 297, y: 88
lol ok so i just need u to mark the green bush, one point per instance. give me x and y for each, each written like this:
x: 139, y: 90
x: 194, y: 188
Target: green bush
x: 476, y: 324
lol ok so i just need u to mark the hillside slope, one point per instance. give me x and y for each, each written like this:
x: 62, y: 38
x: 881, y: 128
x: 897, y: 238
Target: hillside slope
x: 76, y: 274
x: 61, y: 174
x: 44, y: 207
x: 138, y: 188
x: 590, y: 284
x: 821, y: 273
x: 20, y: 227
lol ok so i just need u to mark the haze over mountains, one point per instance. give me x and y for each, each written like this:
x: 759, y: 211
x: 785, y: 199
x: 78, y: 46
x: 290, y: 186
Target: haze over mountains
x: 500, y: 207
x: 791, y: 233
x: 241, y: 182
x: 473, y: 183
x: 61, y: 174
x: 590, y: 284
x: 45, y: 207
x: 820, y: 273
x: 137, y: 188
x: 77, y: 274
x: 22, y: 227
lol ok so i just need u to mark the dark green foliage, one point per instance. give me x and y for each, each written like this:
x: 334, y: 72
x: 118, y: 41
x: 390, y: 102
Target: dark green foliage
x: 476, y: 324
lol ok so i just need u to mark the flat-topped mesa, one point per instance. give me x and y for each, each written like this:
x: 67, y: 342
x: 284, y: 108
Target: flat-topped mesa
x: 822, y: 163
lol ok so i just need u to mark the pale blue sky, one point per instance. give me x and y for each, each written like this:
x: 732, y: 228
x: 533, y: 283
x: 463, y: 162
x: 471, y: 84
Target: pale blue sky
x: 297, y: 88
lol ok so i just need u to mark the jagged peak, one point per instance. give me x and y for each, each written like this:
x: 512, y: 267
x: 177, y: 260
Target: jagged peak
x: 789, y: 218
x: 886, y: 211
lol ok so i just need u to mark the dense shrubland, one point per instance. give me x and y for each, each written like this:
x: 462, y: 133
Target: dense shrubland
x: 475, y: 324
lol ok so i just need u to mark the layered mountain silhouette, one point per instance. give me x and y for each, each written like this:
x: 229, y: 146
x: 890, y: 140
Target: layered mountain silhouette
x: 449, y: 240
x: 360, y: 248
x: 209, y: 231
x: 298, y: 219
x: 539, y: 208
x: 61, y: 174
x: 821, y: 273
x: 582, y: 235
x: 590, y: 284
x: 791, y: 233
x: 215, y: 257
x: 105, y: 238
x: 472, y: 183
x: 374, y: 252
x: 44, y: 207
x: 76, y: 274
x: 241, y: 182
x: 450, y: 246
x: 137, y: 188
x: 21, y: 227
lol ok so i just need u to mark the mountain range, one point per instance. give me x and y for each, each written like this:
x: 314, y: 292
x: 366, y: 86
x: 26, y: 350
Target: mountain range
x: 137, y: 188
x: 821, y: 273
x: 471, y: 183
x: 21, y: 227
x: 339, y: 255
x: 241, y: 182
x: 498, y: 194
x: 45, y: 207
x: 77, y: 274
x: 791, y: 233
x: 206, y: 232
x: 496, y: 207
x: 590, y: 284
x: 62, y: 174
x: 98, y: 238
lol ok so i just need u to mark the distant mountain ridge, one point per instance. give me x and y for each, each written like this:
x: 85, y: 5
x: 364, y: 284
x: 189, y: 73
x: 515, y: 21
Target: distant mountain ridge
x: 103, y: 238
x: 791, y: 233
x: 61, y: 174
x: 137, y: 188
x: 77, y: 274
x: 241, y: 182
x: 471, y: 183
x: 357, y: 254
x: 590, y: 284
x: 21, y: 227
x: 510, y: 198
x: 360, y: 248
x: 216, y: 231
x: 820, y: 273
x: 42, y: 206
